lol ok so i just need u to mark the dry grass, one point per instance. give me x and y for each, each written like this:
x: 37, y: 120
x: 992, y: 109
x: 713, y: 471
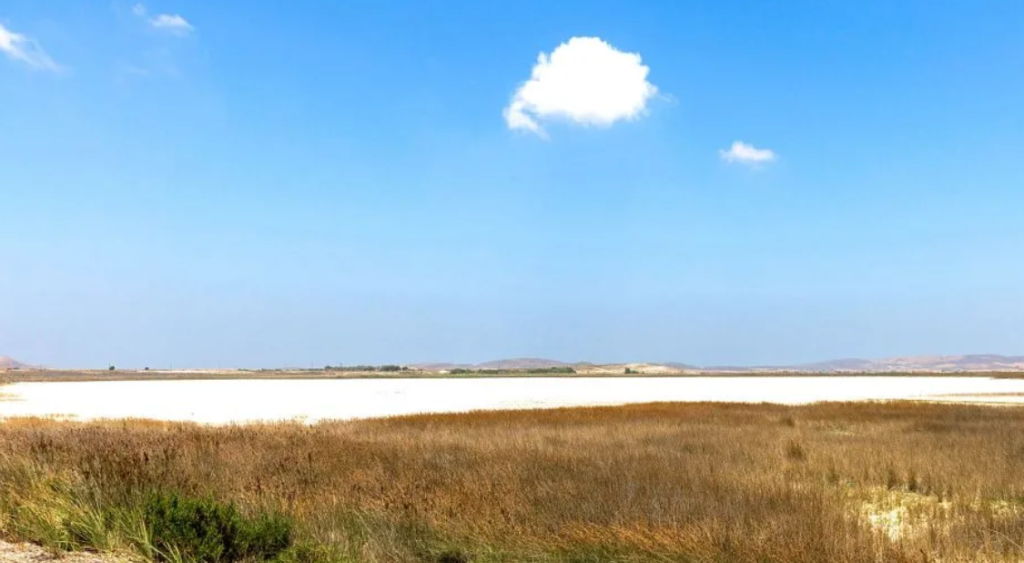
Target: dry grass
x: 679, y: 482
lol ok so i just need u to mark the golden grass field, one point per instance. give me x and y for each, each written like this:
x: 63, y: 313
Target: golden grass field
x: 665, y: 482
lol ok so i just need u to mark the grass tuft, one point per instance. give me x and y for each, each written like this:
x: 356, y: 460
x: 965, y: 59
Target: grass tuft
x: 795, y: 451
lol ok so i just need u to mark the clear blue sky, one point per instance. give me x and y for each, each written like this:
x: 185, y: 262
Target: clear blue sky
x: 196, y: 183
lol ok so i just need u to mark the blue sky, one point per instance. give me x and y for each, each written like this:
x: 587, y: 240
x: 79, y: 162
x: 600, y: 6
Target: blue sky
x: 188, y: 183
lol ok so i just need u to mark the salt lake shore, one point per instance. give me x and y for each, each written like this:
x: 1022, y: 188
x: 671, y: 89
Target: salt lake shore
x: 848, y: 482
x: 312, y: 400
x: 798, y: 469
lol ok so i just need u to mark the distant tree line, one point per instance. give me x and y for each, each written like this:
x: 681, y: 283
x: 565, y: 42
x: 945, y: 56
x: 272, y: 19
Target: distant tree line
x: 553, y: 370
x: 385, y: 368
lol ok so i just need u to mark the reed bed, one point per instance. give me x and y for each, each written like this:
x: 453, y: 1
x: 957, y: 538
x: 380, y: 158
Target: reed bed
x: 856, y: 482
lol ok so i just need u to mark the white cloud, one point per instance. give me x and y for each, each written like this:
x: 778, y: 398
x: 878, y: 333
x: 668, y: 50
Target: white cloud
x: 584, y: 80
x: 168, y: 22
x: 24, y: 49
x: 171, y: 22
x: 744, y: 153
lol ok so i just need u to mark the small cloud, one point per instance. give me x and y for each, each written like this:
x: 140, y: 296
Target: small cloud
x: 171, y: 22
x: 744, y: 153
x: 17, y: 47
x: 585, y: 81
x: 168, y: 22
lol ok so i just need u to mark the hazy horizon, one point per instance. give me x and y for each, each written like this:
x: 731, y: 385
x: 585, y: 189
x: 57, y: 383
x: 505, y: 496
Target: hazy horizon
x: 822, y: 361
x: 713, y: 183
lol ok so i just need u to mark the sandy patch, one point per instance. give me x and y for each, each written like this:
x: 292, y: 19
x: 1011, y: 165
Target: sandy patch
x: 28, y: 553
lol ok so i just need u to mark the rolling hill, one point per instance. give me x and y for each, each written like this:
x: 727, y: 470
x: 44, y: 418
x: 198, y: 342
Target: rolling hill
x: 11, y: 363
x: 937, y: 364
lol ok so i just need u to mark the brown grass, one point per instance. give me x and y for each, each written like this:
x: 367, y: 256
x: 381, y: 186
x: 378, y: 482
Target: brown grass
x: 663, y: 482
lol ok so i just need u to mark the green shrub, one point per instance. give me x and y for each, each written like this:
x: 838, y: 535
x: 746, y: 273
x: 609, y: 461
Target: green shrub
x: 203, y: 530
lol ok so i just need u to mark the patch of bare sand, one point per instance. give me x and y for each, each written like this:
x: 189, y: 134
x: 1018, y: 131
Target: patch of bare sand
x: 29, y: 553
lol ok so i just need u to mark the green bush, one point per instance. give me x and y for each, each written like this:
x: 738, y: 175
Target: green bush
x: 203, y: 530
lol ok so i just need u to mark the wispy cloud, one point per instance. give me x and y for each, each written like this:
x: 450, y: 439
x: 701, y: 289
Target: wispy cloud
x: 18, y: 47
x: 743, y: 153
x: 171, y: 22
x: 584, y: 81
x: 167, y: 22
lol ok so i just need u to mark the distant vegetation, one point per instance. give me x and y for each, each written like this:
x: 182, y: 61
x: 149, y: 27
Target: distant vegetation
x: 386, y: 368
x: 454, y: 371
x: 837, y: 483
x: 551, y: 370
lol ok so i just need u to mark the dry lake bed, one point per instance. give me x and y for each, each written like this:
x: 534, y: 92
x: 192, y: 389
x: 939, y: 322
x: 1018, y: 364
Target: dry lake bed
x: 230, y: 401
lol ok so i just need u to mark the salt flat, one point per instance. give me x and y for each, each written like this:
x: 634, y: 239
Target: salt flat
x: 228, y: 401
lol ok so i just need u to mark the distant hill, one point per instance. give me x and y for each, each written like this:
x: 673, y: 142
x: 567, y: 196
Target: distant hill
x: 845, y: 364
x: 440, y: 366
x: 679, y: 366
x: 11, y: 363
x: 521, y: 363
x: 975, y: 363
x: 512, y: 363
x: 970, y: 362
x: 938, y: 364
